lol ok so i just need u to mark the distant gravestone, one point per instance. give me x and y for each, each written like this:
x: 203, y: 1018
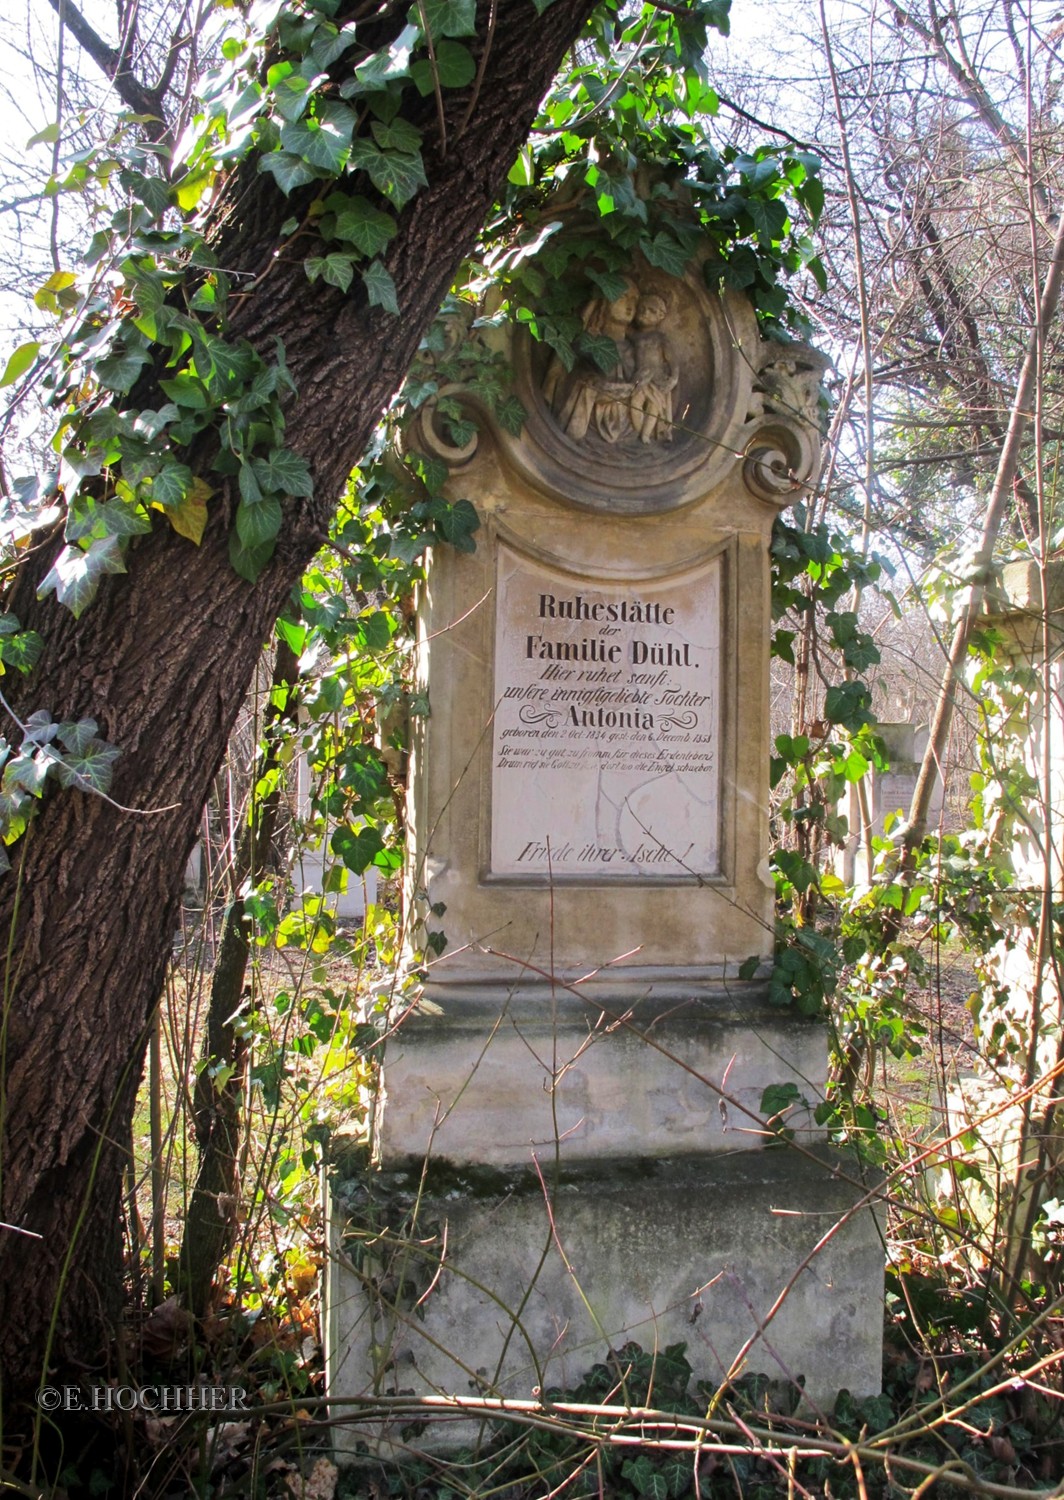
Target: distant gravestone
x: 314, y: 870
x: 570, y: 1131
x: 346, y: 896
x: 1026, y: 607
x: 883, y: 795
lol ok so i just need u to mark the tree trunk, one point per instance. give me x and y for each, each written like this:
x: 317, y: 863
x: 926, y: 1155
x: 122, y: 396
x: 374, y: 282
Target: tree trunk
x: 162, y: 659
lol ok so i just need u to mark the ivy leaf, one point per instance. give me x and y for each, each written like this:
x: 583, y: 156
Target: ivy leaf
x: 186, y: 390
x: 189, y: 189
x: 417, y: 392
x: 380, y: 288
x: 39, y: 728
x: 153, y: 192
x: 375, y: 630
x: 396, y: 174
x: 450, y: 17
x: 389, y: 63
x: 248, y: 561
x: 292, y: 91
x: 78, y: 735
x: 357, y: 847
x: 742, y: 268
x: 258, y: 523
x: 46, y: 137
x: 13, y: 820
x: 283, y: 377
x: 322, y: 140
x: 289, y: 171
x: 148, y: 424
x: 645, y: 1479
x: 611, y: 284
x: 285, y: 473
x: 117, y: 517
x: 329, y: 43
x: 146, y: 286
x: 366, y: 227
x: 119, y: 371
x: 91, y: 769
x: 250, y: 489
x: 29, y: 772
x: 76, y: 575
x: 408, y: 548
x: 600, y: 349
x: 229, y: 361
x: 397, y: 135
x: 861, y: 653
x: 189, y: 519
x: 848, y: 704
x: 777, y: 1097
x: 171, y: 485
x: 455, y: 68
x: 336, y: 268
x: 456, y: 524
x: 664, y: 252
x: 811, y: 194
x: 770, y: 219
x: 511, y: 416
x: 19, y: 363
x: 56, y: 295
x: 21, y: 651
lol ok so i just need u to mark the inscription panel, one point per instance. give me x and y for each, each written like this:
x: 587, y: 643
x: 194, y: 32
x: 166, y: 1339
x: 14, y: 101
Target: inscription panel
x: 606, y: 743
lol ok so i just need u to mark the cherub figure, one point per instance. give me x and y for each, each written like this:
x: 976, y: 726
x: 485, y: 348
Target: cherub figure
x: 655, y: 378
x: 590, y: 400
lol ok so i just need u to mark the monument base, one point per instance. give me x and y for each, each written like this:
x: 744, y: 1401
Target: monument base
x: 667, y: 1066
x: 468, y: 1281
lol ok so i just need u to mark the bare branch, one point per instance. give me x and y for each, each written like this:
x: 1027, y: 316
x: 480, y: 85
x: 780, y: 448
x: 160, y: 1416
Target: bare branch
x: 134, y: 94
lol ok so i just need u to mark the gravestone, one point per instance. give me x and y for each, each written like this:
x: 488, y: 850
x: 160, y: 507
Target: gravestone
x: 571, y: 1133
x: 345, y: 896
x: 882, y: 795
x: 314, y: 871
x: 1026, y: 608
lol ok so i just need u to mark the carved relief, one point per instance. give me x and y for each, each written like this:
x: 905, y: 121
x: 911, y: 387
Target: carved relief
x: 630, y: 402
x: 671, y: 386
x: 788, y: 383
x: 782, y: 455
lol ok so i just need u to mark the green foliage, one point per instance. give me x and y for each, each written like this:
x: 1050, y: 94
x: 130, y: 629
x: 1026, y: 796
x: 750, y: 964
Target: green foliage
x: 632, y: 139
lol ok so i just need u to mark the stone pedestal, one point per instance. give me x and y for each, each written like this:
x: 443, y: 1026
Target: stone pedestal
x: 463, y: 1283
x: 585, y: 1076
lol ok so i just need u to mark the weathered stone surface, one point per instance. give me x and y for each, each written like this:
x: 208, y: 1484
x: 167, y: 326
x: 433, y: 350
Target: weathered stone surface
x: 706, y: 922
x: 756, y: 1262
x: 486, y: 1081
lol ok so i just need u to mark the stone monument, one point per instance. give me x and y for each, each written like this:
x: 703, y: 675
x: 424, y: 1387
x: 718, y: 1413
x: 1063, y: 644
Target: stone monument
x: 884, y: 794
x: 570, y: 1142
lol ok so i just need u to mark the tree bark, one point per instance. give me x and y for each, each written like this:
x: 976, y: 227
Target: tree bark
x: 162, y: 659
